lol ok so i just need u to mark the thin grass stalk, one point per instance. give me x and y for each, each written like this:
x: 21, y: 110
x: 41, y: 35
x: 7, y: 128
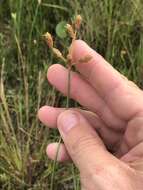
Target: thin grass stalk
x: 4, y: 102
x: 25, y: 80
x: 60, y: 139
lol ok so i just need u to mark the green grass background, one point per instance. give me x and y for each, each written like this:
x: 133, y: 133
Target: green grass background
x: 112, y: 27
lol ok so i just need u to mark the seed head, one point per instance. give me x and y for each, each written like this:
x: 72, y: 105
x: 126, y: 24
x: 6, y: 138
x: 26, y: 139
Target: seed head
x: 78, y: 22
x: 85, y: 59
x: 39, y: 2
x: 70, y: 31
x: 49, y: 40
x: 123, y: 52
x: 58, y: 54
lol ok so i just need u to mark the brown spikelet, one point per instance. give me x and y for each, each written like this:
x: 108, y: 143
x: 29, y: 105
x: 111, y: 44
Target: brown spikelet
x: 78, y: 22
x: 58, y: 53
x: 49, y: 40
x: 70, y: 31
x: 85, y: 59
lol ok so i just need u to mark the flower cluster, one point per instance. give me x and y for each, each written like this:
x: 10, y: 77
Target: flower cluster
x: 72, y: 31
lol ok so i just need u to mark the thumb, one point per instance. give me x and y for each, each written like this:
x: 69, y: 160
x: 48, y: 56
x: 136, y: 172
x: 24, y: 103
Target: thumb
x: 82, y: 142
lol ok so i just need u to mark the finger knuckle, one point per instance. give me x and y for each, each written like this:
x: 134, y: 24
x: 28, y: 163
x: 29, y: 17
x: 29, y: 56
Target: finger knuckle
x: 83, y: 145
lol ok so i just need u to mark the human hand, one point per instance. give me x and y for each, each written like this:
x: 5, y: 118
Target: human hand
x: 114, y: 122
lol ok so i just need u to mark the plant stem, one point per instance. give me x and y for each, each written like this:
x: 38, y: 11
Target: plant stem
x: 54, y: 165
x: 67, y: 106
x: 68, y: 87
x: 60, y: 139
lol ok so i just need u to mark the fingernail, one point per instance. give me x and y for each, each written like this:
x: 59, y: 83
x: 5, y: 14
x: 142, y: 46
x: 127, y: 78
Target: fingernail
x: 67, y: 121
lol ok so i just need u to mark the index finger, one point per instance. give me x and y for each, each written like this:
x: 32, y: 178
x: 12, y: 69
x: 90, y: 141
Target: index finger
x: 108, y: 82
x: 101, y: 75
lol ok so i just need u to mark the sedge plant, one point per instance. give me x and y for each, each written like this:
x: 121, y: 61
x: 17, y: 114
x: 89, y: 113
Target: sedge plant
x: 72, y: 30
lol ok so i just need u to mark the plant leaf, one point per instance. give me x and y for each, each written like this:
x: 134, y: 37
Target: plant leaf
x: 61, y: 30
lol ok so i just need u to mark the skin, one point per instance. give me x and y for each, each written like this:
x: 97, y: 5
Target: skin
x: 106, y: 141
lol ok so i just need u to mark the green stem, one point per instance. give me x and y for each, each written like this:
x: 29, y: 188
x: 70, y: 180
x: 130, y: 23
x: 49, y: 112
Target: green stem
x: 67, y: 106
x: 54, y: 165
x: 68, y: 87
x: 60, y: 139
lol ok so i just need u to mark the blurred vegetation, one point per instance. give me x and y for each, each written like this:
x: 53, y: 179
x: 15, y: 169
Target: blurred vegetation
x: 112, y: 27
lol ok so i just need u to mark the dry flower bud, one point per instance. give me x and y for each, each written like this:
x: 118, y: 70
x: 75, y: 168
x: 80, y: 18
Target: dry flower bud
x: 39, y: 2
x: 78, y: 22
x: 58, y: 53
x: 70, y: 31
x: 48, y: 38
x: 123, y: 52
x: 35, y: 42
x: 85, y: 59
